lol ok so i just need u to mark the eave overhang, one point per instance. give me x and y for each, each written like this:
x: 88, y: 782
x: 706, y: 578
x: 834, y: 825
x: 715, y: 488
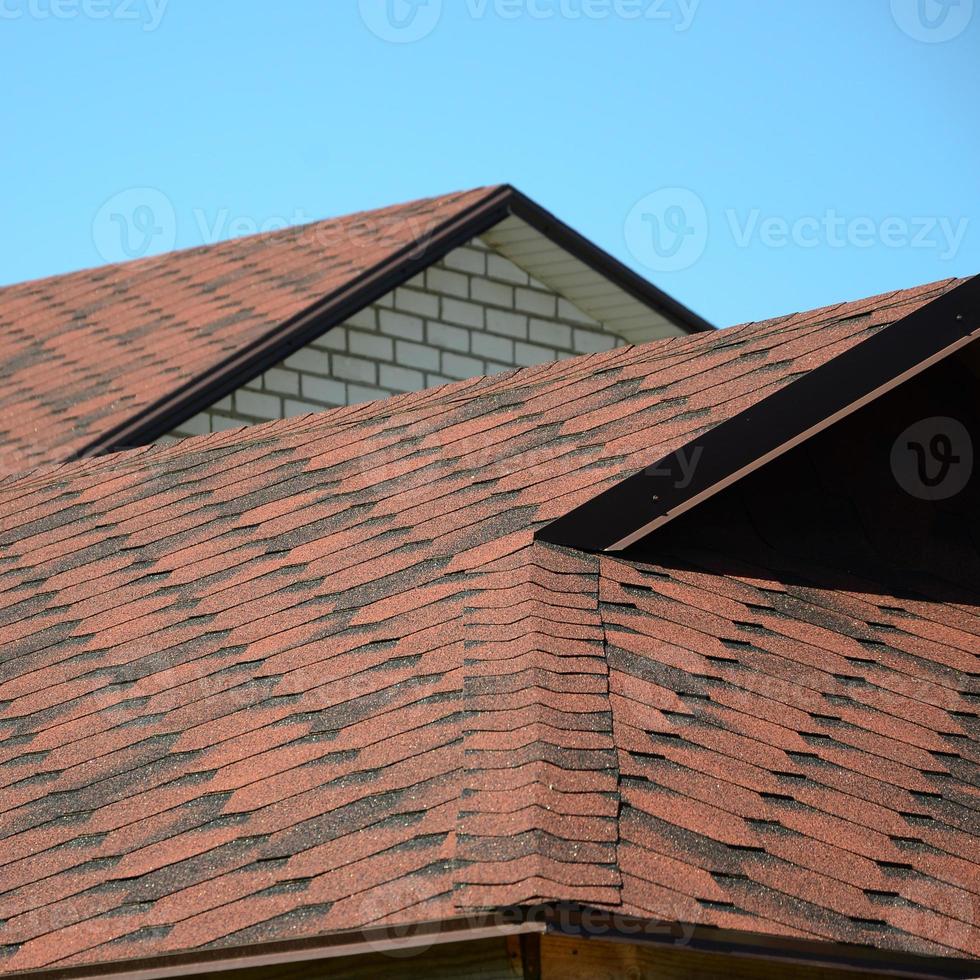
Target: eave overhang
x: 567, y: 920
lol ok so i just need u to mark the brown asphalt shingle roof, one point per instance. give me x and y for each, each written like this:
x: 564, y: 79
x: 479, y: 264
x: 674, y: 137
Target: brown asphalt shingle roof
x: 84, y: 352
x: 317, y: 674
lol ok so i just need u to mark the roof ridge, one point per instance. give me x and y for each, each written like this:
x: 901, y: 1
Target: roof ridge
x: 556, y: 746
x: 891, y: 297
x: 147, y: 261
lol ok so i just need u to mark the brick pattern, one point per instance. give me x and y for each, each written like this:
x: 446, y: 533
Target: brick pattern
x: 473, y: 314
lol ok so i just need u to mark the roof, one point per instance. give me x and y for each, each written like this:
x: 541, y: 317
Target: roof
x: 117, y: 356
x: 720, y: 455
x: 317, y: 674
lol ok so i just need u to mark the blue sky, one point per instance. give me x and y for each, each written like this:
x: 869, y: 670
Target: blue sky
x: 751, y: 158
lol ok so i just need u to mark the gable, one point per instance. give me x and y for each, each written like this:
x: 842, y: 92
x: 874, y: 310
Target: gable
x: 86, y: 352
x: 904, y: 337
x: 893, y: 489
x: 117, y: 357
x: 471, y: 314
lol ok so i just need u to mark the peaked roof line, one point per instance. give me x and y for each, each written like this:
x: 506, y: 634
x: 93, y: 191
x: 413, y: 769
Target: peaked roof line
x: 285, y: 338
x: 521, y: 206
x: 716, y: 459
x: 87, y: 272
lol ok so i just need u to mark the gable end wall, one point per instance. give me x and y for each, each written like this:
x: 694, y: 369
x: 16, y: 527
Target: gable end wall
x: 474, y: 313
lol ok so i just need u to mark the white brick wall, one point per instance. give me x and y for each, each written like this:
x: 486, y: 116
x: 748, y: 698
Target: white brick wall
x: 474, y: 313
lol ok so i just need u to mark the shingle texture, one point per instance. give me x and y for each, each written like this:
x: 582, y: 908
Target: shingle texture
x: 317, y: 674
x: 793, y: 682
x: 85, y: 352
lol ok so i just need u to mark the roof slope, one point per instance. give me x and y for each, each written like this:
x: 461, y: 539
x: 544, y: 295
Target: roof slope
x: 114, y: 357
x: 317, y: 674
x: 722, y: 455
x: 794, y: 683
x: 83, y: 352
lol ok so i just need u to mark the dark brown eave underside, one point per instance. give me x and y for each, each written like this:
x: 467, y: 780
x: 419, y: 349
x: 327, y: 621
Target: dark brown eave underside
x: 644, y: 502
x: 568, y: 921
x: 286, y: 338
x: 362, y: 942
